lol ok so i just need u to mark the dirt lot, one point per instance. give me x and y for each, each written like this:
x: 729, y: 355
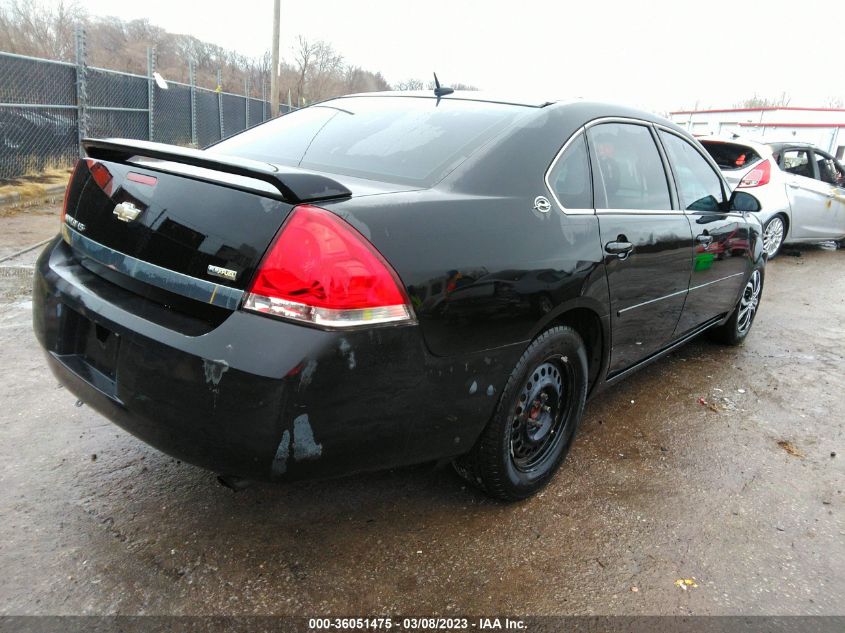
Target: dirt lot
x: 741, y: 493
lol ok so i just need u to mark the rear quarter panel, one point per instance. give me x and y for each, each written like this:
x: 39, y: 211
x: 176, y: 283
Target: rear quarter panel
x: 482, y: 267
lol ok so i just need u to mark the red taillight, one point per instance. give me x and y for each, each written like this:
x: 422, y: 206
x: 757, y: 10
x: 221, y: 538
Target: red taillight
x: 67, y: 190
x: 758, y: 176
x: 100, y: 173
x: 321, y: 270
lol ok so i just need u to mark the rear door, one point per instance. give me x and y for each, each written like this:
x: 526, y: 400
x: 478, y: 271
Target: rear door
x: 809, y: 197
x: 647, y: 242
x: 722, y: 256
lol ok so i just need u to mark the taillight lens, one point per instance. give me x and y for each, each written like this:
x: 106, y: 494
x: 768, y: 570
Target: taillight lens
x: 758, y: 176
x: 100, y: 173
x: 320, y: 270
x: 67, y: 190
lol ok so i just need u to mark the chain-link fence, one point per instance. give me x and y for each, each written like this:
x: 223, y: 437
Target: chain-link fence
x: 47, y: 106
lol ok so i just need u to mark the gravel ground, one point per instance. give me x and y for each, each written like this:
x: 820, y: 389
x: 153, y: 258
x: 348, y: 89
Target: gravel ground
x: 717, y: 466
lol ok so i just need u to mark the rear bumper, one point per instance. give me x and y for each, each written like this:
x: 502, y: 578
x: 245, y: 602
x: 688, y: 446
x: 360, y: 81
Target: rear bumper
x: 262, y: 398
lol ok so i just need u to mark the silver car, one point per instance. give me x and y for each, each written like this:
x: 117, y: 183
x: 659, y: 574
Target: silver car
x: 800, y: 187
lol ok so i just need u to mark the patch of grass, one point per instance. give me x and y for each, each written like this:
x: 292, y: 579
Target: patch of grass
x: 34, y: 186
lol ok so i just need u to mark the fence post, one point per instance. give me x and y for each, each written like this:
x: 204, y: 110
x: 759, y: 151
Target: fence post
x: 246, y: 102
x: 263, y: 100
x: 151, y: 90
x: 220, y: 101
x: 193, y: 78
x: 81, y: 86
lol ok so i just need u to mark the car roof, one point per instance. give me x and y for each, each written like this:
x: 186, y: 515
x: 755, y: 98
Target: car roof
x: 782, y: 145
x: 590, y: 109
x: 463, y: 95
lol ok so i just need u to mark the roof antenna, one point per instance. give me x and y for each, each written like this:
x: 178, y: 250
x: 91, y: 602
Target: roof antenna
x: 441, y: 91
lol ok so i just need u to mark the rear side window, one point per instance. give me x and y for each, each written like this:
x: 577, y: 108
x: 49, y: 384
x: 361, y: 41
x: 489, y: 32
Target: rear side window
x: 628, y: 171
x: 407, y: 140
x: 797, y: 161
x: 570, y: 177
x: 699, y: 186
x: 731, y: 155
x: 829, y: 171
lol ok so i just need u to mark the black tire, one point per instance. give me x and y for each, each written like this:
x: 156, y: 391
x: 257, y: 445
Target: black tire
x: 769, y: 228
x: 526, y: 440
x: 736, y: 328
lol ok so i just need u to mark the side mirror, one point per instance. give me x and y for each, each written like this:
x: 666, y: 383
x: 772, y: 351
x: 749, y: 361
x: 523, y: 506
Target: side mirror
x: 744, y: 202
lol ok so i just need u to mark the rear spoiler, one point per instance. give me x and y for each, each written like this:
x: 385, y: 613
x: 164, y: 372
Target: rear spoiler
x: 294, y: 185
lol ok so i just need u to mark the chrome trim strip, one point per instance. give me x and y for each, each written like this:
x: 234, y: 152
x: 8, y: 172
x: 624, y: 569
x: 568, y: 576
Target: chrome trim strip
x: 645, y: 303
x: 641, y: 211
x: 715, y: 281
x: 679, y: 292
x: 551, y: 167
x: 617, y: 119
x: 726, y: 187
x: 164, y: 278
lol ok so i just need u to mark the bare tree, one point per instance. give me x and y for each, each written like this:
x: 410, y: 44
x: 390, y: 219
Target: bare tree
x: 46, y: 29
x: 835, y: 102
x: 33, y: 27
x: 304, y: 59
x: 765, y: 102
x: 410, y: 84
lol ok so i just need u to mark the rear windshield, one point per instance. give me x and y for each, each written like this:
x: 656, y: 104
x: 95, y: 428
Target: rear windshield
x: 407, y: 140
x: 731, y: 155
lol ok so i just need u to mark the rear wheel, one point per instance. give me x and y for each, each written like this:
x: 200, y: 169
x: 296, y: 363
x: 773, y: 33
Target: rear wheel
x: 534, y: 423
x: 774, y: 232
x: 737, y: 327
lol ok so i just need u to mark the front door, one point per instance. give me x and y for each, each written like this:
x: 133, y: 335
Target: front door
x: 830, y: 173
x: 810, y: 198
x: 722, y: 256
x: 648, y: 244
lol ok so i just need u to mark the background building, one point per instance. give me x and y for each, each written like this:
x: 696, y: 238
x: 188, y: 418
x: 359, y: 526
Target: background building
x: 824, y: 127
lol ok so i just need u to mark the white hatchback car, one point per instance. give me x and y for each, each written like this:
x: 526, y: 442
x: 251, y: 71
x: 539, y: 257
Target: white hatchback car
x: 801, y: 188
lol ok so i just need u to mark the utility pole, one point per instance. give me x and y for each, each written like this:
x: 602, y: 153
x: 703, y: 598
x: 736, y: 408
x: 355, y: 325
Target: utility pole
x: 274, y: 70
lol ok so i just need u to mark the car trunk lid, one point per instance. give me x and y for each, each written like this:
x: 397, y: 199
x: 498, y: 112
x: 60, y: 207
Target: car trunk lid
x: 200, y: 218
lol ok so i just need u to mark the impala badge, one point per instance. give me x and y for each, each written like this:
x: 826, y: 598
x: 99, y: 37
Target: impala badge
x: 126, y: 212
x: 223, y: 273
x: 542, y: 204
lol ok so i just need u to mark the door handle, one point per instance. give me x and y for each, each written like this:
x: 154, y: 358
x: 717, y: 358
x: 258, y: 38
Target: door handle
x: 620, y: 249
x: 705, y: 239
x: 794, y: 185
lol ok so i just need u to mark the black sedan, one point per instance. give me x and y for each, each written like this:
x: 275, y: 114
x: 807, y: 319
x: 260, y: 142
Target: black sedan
x: 389, y: 279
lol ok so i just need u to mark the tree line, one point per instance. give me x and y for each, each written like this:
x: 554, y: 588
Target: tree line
x: 317, y: 70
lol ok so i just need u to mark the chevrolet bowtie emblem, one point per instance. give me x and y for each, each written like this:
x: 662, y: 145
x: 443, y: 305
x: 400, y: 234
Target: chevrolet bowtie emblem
x: 126, y: 212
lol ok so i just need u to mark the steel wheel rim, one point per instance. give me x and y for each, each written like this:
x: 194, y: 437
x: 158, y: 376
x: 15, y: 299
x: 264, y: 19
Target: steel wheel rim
x: 541, y: 414
x: 773, y: 236
x: 749, y: 302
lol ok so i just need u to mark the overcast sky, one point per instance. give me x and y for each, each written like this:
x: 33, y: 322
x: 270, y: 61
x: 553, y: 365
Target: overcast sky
x: 662, y: 55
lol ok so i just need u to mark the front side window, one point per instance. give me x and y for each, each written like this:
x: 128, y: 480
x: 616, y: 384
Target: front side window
x: 699, y: 187
x: 627, y: 169
x: 797, y: 161
x: 829, y: 171
x: 570, y: 178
